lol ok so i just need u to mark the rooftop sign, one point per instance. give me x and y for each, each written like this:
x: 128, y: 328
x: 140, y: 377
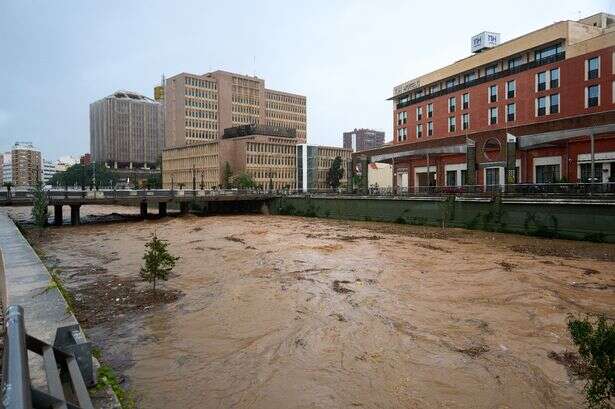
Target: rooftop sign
x: 484, y: 40
x: 406, y: 86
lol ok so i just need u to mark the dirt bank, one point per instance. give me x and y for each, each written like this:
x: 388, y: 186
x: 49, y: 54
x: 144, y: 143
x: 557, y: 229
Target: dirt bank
x: 297, y: 313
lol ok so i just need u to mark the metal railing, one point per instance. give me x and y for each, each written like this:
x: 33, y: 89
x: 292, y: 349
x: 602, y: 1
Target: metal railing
x: 67, y: 364
x: 597, y: 189
x: 522, y: 190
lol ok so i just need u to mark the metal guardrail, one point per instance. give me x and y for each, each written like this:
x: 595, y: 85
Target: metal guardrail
x: 67, y: 364
x: 575, y: 190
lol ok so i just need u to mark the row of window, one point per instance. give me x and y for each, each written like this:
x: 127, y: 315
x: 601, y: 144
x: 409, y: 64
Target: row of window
x: 271, y: 160
x: 286, y: 98
x: 511, y: 88
x: 491, y: 69
x: 196, y: 82
x: 545, y: 105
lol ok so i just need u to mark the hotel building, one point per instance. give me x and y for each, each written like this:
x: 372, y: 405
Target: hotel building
x: 528, y: 110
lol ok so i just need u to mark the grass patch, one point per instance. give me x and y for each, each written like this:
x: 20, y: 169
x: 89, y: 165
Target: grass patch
x: 108, y: 379
x: 57, y: 283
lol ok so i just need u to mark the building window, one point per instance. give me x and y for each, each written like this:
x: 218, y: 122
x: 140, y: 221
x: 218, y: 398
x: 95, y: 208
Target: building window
x: 493, y: 93
x: 429, y: 128
x: 541, y: 81
x: 548, y: 52
x: 547, y: 174
x: 586, y: 172
x: 492, y: 69
x: 593, y: 68
x: 554, y: 104
x: 541, y: 104
x: 451, y: 124
x: 429, y: 110
x: 451, y: 178
x: 419, y: 130
x: 511, y: 112
x: 593, y: 96
x: 465, y: 101
x: 465, y: 121
x: 401, y: 134
x: 511, y: 88
x: 514, y: 62
x: 419, y: 113
x: 451, y: 104
x: 492, y: 176
x: 493, y: 115
x: 402, y: 118
x: 554, y: 78
x: 450, y: 83
x: 471, y: 76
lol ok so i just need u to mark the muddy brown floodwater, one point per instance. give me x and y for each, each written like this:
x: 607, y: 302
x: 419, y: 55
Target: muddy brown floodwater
x: 288, y: 312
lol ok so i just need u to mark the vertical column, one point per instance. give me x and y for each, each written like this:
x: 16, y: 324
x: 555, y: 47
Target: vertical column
x: 364, y: 179
x: 143, y: 209
x: 511, y: 161
x: 162, y: 209
x: 74, y: 214
x: 57, y: 215
x: 471, y: 163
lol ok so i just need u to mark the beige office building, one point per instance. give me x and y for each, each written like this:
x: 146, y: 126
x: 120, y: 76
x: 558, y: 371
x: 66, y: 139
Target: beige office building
x: 265, y: 153
x: 198, y: 108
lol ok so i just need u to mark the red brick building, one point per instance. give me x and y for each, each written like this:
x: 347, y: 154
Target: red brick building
x: 530, y: 108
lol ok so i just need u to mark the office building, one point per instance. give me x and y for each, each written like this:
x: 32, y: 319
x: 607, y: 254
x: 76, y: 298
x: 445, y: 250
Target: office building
x: 527, y: 110
x: 198, y: 108
x: 265, y: 153
x: 126, y: 131
x: 314, y: 162
x: 363, y: 139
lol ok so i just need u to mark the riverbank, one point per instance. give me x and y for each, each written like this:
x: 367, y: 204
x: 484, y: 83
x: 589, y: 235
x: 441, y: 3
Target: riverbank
x: 291, y: 312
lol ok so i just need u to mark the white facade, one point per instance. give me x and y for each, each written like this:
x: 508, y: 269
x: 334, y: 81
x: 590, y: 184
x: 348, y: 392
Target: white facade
x: 7, y: 168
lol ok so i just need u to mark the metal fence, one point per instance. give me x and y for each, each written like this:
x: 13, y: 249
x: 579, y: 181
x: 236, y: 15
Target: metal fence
x: 67, y: 364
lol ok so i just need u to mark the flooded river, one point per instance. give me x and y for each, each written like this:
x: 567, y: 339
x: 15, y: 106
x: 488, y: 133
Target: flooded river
x: 288, y: 312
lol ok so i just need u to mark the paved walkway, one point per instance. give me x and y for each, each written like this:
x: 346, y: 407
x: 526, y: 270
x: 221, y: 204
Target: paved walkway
x: 25, y: 281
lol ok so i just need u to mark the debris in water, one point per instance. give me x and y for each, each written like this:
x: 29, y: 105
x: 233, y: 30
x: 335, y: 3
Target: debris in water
x: 571, y: 361
x: 338, y: 288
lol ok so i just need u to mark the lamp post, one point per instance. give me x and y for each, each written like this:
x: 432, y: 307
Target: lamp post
x: 193, y: 178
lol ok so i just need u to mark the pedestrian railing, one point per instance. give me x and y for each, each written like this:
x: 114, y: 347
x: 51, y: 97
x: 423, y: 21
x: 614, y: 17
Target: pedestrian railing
x: 67, y: 364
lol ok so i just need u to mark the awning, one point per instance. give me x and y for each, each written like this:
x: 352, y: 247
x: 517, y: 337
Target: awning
x: 446, y: 150
x: 534, y: 140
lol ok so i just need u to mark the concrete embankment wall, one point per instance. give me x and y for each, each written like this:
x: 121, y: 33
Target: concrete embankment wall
x: 26, y: 281
x: 567, y: 219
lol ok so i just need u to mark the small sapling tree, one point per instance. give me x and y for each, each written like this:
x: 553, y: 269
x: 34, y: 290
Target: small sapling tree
x: 595, y: 339
x: 39, y: 206
x: 158, y: 261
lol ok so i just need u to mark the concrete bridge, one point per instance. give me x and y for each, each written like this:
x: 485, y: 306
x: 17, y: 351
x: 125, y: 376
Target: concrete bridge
x: 142, y: 198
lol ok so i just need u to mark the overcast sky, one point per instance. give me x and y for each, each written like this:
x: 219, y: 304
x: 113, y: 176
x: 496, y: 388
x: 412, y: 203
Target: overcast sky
x: 56, y: 57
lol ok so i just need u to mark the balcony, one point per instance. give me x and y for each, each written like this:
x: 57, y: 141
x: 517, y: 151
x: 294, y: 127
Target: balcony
x: 487, y: 78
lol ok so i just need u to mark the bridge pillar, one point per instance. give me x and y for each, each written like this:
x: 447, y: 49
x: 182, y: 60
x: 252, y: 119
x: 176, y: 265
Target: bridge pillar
x: 143, y: 209
x: 184, y: 207
x: 57, y: 215
x: 74, y: 214
x: 162, y: 209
